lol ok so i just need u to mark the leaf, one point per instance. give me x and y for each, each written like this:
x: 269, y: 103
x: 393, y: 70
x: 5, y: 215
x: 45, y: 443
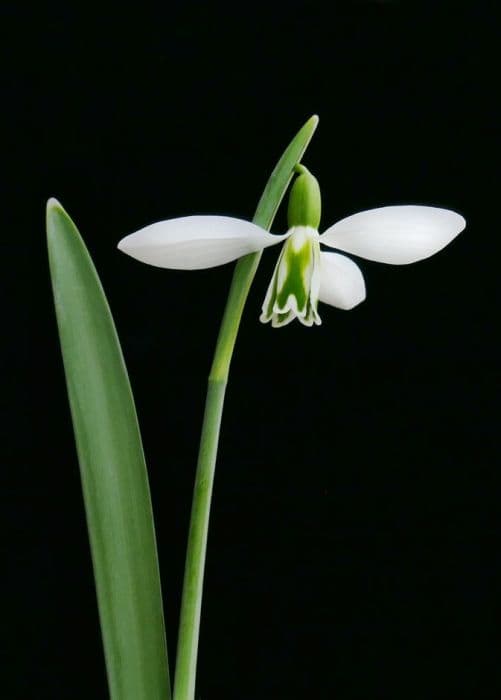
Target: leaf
x: 113, y: 471
x: 276, y: 187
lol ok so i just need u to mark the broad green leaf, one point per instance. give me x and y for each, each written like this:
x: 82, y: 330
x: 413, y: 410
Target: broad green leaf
x: 113, y: 471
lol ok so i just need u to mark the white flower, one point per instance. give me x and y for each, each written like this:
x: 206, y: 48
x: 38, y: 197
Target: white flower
x: 304, y: 274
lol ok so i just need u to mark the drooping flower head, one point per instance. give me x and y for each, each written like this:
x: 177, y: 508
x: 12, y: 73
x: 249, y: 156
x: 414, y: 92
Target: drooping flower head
x: 304, y: 274
x: 295, y: 285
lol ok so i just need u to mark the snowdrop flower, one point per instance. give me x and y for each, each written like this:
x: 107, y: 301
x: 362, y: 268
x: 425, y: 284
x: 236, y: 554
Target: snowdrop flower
x: 304, y: 274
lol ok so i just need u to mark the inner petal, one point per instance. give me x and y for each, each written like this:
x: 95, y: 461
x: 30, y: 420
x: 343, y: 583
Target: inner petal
x: 294, y: 288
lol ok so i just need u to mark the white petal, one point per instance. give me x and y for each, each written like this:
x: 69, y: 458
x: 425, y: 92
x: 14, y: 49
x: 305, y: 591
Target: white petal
x: 195, y: 242
x: 341, y: 282
x: 396, y: 235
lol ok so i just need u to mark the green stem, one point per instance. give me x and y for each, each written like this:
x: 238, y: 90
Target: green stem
x: 189, y: 626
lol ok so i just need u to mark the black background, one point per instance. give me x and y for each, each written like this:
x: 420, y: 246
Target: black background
x: 355, y: 533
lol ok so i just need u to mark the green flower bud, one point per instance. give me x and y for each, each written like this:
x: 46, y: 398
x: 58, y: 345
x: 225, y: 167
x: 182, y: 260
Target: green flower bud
x: 304, y: 200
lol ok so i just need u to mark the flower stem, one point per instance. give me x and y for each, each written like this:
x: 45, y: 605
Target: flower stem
x: 189, y: 626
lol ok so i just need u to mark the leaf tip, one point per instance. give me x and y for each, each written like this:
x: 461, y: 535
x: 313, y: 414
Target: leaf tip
x: 56, y: 220
x: 54, y: 207
x: 310, y: 126
x: 53, y: 203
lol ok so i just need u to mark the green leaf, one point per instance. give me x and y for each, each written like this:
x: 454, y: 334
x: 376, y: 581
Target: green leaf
x: 113, y: 472
x: 276, y: 187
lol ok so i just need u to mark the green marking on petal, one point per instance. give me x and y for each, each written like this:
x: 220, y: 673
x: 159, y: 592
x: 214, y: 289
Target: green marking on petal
x: 280, y: 320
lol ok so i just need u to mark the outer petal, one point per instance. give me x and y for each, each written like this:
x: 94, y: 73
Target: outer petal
x: 196, y: 242
x: 396, y: 235
x: 341, y: 282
